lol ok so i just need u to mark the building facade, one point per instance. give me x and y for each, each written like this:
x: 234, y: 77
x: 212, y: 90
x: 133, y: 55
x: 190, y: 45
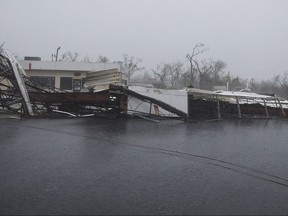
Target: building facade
x: 75, y: 76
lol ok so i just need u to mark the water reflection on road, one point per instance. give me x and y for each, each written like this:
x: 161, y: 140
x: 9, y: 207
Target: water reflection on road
x: 131, y: 166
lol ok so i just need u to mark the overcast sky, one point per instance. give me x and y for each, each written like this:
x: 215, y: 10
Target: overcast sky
x: 250, y: 36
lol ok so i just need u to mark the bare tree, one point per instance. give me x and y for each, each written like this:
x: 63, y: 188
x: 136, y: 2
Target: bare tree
x: 102, y: 59
x: 206, y: 72
x: 252, y: 85
x: 69, y: 56
x: 161, y: 74
x: 132, y: 65
x: 282, y: 80
x: 175, y: 70
x: 203, y: 69
x: 197, y: 49
x: 185, y: 79
x: 218, y: 70
x: 237, y: 83
x: 169, y: 72
x: 218, y: 76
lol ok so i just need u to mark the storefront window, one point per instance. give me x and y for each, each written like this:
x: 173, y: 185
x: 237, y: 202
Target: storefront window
x: 66, y: 83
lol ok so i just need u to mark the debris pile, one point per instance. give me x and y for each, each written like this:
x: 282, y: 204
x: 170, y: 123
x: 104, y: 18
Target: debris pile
x: 26, y: 97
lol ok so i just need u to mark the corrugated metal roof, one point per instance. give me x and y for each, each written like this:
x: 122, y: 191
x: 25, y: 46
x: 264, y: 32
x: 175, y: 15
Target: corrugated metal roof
x: 227, y: 93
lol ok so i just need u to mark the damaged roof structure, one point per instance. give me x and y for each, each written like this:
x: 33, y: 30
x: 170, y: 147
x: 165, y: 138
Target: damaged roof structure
x: 105, y: 93
x: 25, y: 96
x: 204, y: 104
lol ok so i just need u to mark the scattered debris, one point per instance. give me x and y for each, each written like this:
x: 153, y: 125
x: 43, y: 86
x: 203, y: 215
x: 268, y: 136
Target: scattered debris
x: 24, y: 96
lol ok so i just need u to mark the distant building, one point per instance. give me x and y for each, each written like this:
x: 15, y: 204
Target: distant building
x: 75, y: 76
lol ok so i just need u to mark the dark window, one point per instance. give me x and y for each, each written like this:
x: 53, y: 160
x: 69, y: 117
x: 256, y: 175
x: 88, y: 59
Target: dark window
x: 66, y: 83
x: 49, y: 81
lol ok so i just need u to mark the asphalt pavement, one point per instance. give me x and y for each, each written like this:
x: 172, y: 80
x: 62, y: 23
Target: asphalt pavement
x: 133, y: 166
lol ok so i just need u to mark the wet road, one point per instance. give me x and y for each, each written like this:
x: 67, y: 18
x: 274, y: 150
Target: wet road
x: 131, y: 166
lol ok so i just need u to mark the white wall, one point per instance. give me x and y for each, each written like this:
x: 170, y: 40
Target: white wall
x: 175, y: 98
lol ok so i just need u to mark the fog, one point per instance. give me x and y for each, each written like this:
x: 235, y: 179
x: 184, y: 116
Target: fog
x: 251, y: 37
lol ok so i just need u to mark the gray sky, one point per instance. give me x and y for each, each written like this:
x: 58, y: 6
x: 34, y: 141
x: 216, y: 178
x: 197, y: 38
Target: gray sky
x: 251, y: 36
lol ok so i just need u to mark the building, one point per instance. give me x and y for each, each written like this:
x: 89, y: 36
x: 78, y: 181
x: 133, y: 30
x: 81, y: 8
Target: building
x: 75, y: 76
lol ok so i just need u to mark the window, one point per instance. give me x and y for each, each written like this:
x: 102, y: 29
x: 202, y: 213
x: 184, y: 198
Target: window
x: 46, y: 80
x: 66, y: 83
x: 77, y: 85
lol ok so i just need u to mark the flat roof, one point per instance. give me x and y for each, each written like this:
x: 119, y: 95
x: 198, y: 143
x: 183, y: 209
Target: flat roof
x: 70, y: 66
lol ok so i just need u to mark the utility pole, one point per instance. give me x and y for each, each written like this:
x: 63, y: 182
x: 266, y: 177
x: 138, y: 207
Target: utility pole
x: 57, y: 53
